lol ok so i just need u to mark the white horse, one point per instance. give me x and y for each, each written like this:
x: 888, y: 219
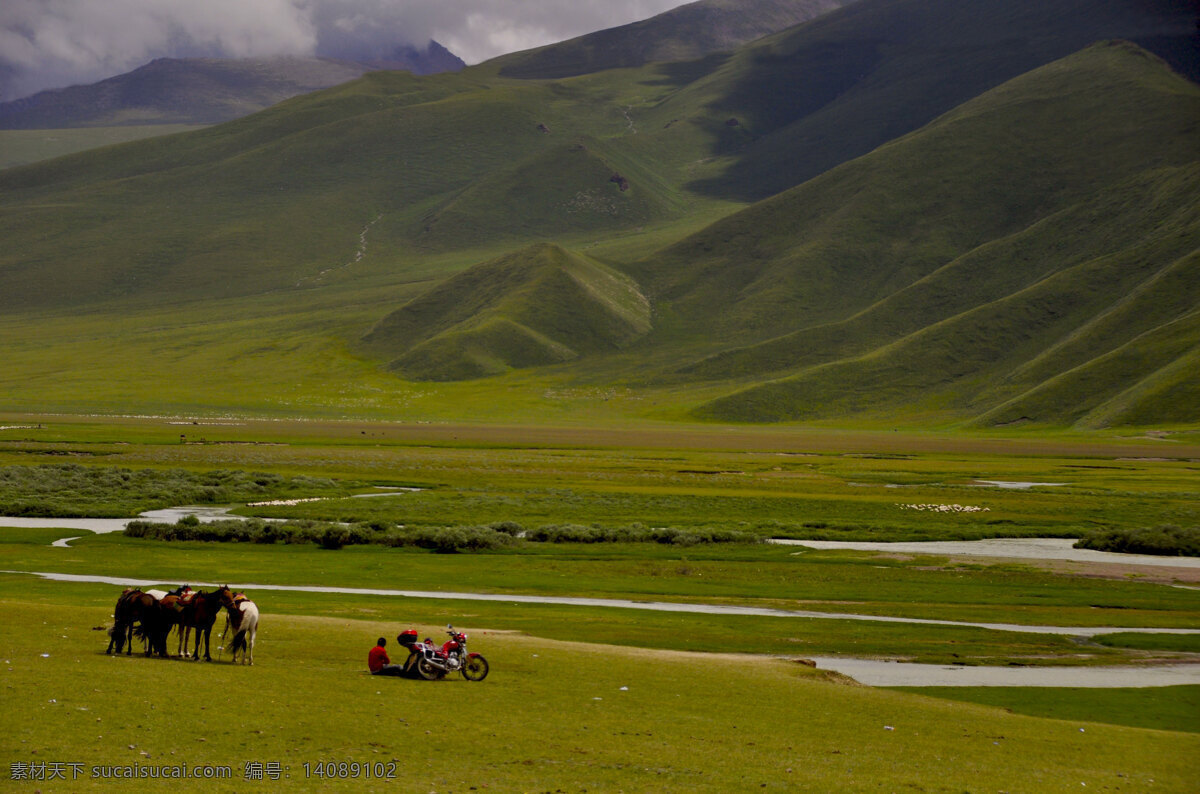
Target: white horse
x: 244, y: 617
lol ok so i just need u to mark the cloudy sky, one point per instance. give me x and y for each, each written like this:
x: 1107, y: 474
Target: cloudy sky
x: 53, y: 43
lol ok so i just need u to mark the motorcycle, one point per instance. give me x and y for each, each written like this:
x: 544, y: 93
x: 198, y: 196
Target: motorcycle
x: 434, y: 662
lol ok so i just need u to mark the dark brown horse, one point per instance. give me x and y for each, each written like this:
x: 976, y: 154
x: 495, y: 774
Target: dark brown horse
x: 154, y: 626
x: 133, y: 607
x: 200, y: 612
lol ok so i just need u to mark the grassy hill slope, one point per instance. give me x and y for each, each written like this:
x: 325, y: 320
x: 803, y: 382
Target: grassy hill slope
x: 283, y: 199
x: 22, y: 147
x: 474, y: 163
x: 1038, y: 230
x: 823, y: 93
x: 538, y: 306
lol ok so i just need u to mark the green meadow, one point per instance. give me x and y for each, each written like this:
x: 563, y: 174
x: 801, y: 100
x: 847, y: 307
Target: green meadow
x: 588, y: 696
x: 552, y: 715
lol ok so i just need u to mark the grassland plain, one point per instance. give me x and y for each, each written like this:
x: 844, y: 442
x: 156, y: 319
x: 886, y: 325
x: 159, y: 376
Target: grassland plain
x: 799, y: 482
x: 535, y: 723
x: 552, y: 715
x: 1166, y: 708
x: 787, y: 483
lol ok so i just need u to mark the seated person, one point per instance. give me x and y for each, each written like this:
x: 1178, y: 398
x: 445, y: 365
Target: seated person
x: 378, y: 661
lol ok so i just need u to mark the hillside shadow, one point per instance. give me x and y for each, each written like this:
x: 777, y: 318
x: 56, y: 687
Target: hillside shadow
x: 872, y: 73
x: 678, y: 74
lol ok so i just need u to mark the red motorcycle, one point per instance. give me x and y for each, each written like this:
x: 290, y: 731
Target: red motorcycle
x: 434, y: 662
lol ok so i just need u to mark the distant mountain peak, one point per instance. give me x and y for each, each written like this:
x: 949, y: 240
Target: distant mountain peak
x: 433, y: 58
x: 207, y: 90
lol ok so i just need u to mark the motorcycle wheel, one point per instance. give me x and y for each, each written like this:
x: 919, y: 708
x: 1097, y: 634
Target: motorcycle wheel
x: 475, y: 668
x: 428, y: 670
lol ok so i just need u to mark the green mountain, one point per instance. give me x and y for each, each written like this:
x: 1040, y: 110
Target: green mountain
x: 823, y: 93
x: 1031, y: 255
x: 1027, y: 255
x: 476, y: 163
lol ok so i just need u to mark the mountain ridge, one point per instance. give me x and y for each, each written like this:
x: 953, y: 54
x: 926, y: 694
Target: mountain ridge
x: 204, y: 90
x: 687, y: 32
x: 1028, y: 256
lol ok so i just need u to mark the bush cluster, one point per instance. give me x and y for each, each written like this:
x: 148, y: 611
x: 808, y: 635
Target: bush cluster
x: 1165, y: 540
x: 636, y: 533
x: 324, y: 534
x: 501, y: 535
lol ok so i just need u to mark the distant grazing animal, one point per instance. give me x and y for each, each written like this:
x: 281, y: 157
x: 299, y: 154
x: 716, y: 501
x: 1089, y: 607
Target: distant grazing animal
x: 243, y: 616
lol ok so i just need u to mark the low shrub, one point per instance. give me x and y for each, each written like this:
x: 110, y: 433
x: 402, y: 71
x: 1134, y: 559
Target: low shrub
x: 1165, y: 540
x: 443, y: 540
x: 574, y: 533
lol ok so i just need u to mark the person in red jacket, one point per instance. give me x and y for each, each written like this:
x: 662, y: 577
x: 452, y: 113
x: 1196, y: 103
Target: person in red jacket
x: 379, y: 663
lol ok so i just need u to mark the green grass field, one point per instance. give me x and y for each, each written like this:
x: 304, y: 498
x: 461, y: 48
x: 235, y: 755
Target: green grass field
x: 589, y: 697
x: 1170, y: 708
x: 551, y: 715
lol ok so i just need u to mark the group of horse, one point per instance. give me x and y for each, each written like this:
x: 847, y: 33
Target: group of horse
x: 151, y: 615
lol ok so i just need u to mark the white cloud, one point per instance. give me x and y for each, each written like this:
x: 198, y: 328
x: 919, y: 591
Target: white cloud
x: 49, y: 43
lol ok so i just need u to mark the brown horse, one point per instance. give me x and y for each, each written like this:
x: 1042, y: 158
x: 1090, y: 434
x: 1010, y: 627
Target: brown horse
x: 200, y: 612
x: 133, y: 606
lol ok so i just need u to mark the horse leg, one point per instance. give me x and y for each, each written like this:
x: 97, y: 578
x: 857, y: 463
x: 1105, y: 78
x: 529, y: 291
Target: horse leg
x: 207, y: 635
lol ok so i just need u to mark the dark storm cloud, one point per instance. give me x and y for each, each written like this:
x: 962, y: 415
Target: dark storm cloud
x: 50, y: 43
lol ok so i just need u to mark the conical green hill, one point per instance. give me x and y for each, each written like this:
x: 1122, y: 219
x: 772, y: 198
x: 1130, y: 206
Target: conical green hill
x: 537, y: 306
